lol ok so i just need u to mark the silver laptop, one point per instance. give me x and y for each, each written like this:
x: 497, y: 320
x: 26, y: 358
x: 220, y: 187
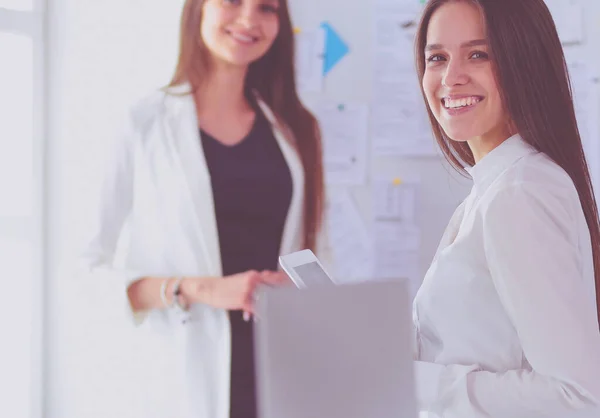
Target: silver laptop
x: 335, y: 352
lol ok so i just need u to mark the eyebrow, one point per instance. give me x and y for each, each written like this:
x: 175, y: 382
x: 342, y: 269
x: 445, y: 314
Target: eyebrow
x: 476, y: 42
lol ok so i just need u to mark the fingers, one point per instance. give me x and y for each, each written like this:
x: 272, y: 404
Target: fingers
x: 273, y: 278
x: 253, y: 276
x: 253, y: 279
x: 248, y: 309
x: 248, y: 303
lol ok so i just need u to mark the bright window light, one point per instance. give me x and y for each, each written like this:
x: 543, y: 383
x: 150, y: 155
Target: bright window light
x: 16, y: 120
x: 20, y: 5
x: 16, y: 259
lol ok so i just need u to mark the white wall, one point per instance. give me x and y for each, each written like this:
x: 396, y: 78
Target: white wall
x: 21, y: 208
x: 103, y: 54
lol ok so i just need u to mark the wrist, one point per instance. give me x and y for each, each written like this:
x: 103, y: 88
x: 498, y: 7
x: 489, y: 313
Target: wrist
x: 167, y: 290
x: 198, y: 290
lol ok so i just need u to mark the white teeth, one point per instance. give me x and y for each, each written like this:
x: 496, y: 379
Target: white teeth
x: 467, y: 101
x: 242, y: 38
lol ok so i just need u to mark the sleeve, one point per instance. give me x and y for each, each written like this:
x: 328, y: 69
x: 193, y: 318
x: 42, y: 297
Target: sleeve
x: 105, y: 220
x: 531, y: 243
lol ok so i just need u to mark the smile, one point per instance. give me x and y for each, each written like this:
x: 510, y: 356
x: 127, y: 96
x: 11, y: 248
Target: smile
x: 240, y: 37
x: 462, y: 102
x: 458, y: 106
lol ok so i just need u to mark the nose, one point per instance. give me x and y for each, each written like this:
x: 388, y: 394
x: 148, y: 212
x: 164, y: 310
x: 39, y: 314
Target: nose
x: 248, y: 17
x: 455, y: 74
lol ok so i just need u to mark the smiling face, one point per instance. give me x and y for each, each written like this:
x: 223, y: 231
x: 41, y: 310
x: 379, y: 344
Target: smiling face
x: 459, y: 80
x: 239, y: 32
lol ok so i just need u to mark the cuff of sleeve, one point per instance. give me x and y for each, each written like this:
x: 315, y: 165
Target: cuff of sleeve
x: 137, y: 317
x: 161, y: 319
x: 436, y: 384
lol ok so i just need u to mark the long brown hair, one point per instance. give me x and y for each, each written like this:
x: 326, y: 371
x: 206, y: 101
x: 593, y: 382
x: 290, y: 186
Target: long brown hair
x: 273, y: 78
x: 534, y: 84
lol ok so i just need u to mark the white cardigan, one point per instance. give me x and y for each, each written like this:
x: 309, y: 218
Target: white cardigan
x: 157, y: 180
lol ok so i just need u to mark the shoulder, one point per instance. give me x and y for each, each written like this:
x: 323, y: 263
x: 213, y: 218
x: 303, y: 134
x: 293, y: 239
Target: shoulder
x: 533, y: 187
x: 145, y: 110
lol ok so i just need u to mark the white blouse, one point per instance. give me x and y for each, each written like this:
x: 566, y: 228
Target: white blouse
x: 506, y: 317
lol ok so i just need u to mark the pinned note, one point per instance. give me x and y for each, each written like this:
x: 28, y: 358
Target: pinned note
x: 396, y: 252
x: 335, y: 48
x: 394, y: 200
x: 349, y: 238
x: 310, y: 54
x: 344, y: 128
x: 569, y: 20
x: 396, y: 236
x: 587, y: 107
x: 400, y: 124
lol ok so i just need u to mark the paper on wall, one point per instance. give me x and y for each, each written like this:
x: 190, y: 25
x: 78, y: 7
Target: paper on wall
x: 396, y: 251
x: 568, y: 18
x: 349, y: 239
x: 400, y: 124
x: 310, y: 53
x: 393, y: 200
x: 345, y: 130
x: 586, y: 107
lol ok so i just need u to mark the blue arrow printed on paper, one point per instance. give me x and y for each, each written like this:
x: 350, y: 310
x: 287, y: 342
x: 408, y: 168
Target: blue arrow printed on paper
x: 335, y: 48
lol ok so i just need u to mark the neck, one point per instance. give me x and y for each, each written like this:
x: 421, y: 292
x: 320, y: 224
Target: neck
x: 482, y: 145
x: 222, y: 91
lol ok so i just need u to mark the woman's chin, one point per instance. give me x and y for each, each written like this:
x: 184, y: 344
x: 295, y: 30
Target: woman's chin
x: 459, y: 135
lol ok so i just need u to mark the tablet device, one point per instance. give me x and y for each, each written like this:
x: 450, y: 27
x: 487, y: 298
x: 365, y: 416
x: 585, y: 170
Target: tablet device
x: 304, y: 269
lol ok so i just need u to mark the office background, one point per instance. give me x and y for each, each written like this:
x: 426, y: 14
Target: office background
x: 70, y: 69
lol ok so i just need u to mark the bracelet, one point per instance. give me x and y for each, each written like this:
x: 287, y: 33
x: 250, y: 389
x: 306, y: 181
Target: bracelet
x: 163, y: 292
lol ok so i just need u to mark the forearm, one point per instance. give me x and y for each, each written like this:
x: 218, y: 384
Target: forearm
x: 460, y: 391
x: 145, y: 294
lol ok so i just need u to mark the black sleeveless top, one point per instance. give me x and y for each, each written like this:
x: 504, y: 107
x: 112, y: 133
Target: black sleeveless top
x: 252, y: 191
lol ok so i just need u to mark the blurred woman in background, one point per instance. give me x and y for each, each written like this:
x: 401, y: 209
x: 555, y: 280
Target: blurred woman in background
x: 217, y: 174
x: 507, y: 315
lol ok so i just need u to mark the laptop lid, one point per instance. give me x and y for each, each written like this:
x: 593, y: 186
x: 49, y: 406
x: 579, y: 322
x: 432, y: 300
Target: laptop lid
x: 335, y: 352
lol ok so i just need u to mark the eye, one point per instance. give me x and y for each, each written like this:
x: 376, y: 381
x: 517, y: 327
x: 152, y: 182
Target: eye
x: 479, y: 55
x: 269, y: 8
x: 435, y: 58
x: 232, y: 2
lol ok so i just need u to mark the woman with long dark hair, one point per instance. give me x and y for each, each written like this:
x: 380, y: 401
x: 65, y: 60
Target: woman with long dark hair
x: 507, y: 316
x: 217, y: 174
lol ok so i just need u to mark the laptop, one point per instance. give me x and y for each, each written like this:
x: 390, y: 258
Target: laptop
x: 335, y: 352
